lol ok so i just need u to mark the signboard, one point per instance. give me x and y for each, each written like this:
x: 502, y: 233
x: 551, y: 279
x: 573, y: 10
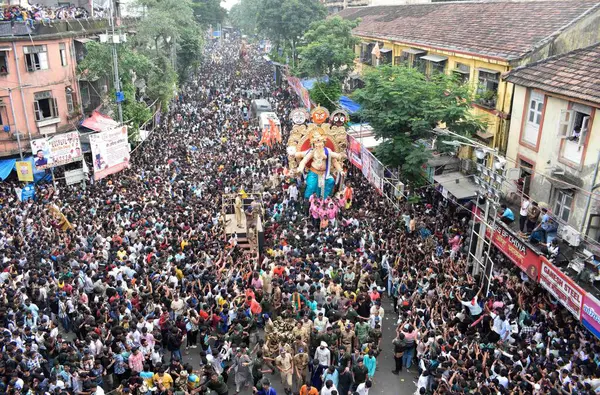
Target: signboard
x: 590, y: 314
x: 57, y: 150
x: 74, y: 176
x: 517, y: 251
x: 300, y: 90
x: 354, y: 152
x: 110, y: 151
x: 24, y: 171
x: 561, y: 287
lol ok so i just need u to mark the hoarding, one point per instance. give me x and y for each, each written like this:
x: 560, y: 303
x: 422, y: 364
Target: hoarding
x: 57, y: 150
x: 110, y: 151
x: 561, y: 287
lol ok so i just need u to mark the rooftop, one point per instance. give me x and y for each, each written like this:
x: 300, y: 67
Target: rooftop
x: 575, y: 74
x: 505, y: 30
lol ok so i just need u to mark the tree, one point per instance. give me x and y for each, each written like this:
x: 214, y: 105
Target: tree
x: 403, y: 105
x: 244, y: 16
x: 209, y: 12
x: 326, y: 94
x: 285, y: 21
x: 328, y: 49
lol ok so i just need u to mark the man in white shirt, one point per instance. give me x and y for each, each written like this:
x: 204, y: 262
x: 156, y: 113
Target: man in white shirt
x: 523, y: 214
x: 363, y: 388
x: 323, y: 355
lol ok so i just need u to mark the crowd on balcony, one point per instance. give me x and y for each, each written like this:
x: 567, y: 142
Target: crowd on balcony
x: 46, y: 14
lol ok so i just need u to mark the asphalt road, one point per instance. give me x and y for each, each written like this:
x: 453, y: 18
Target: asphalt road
x: 385, y: 382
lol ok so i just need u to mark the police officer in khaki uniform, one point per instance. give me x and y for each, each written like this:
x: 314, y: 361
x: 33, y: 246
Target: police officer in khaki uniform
x: 301, y: 367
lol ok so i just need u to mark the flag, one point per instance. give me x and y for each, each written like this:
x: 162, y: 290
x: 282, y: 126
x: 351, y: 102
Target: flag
x: 275, y: 132
x: 63, y: 222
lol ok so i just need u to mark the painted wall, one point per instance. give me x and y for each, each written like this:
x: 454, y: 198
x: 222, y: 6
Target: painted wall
x: 496, y: 118
x: 552, y: 152
x: 26, y: 83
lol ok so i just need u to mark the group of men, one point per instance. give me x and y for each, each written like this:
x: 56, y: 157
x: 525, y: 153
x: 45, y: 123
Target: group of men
x: 145, y: 295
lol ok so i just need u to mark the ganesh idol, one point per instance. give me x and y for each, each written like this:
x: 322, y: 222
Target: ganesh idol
x: 320, y: 148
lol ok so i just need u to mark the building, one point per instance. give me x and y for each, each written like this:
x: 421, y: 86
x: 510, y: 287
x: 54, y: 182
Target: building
x: 39, y: 86
x: 334, y: 6
x: 554, y: 137
x: 479, y: 41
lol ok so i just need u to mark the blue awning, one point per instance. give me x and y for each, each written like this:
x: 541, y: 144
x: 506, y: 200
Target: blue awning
x: 6, y: 166
x: 349, y: 105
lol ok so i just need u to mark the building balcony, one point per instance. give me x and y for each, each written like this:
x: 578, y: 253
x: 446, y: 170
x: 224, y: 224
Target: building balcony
x: 15, y: 28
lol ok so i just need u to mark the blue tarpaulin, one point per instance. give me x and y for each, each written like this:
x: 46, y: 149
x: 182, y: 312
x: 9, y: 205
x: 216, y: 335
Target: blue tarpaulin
x: 309, y: 83
x: 349, y: 105
x: 6, y: 166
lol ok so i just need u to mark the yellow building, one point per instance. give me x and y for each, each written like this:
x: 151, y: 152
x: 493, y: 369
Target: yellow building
x: 479, y: 41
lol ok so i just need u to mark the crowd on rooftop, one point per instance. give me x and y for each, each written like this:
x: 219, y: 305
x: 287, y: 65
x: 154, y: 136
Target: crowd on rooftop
x: 47, y: 14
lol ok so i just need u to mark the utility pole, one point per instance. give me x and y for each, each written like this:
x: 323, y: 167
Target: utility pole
x: 119, y: 94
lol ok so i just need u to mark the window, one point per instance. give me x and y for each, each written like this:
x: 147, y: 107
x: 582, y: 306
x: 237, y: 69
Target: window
x: 562, y: 206
x: 421, y: 64
x: 69, y: 95
x: 462, y: 72
x: 3, y: 62
x: 403, y: 59
x: 63, y: 54
x: 45, y: 106
x: 534, y: 118
x: 84, y: 91
x: 487, y: 87
x: 3, y: 115
x: 386, y: 56
x: 36, y: 57
x: 525, y: 174
x: 574, y: 124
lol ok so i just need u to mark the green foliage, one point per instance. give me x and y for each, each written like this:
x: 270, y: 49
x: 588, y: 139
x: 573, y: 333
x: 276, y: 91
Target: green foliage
x: 147, y: 57
x: 286, y: 21
x: 328, y: 49
x: 209, y: 12
x: 326, y: 94
x: 403, y: 106
x: 244, y: 16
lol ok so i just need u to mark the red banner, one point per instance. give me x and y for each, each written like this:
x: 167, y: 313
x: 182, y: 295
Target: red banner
x: 561, y: 287
x: 354, y: 152
x: 517, y: 251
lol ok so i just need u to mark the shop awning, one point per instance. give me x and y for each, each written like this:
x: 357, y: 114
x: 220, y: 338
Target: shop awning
x: 458, y: 185
x: 99, y: 122
x: 413, y: 51
x: 385, y: 50
x: 435, y: 58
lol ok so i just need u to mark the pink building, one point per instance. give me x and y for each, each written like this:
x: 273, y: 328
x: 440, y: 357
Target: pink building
x: 39, y: 89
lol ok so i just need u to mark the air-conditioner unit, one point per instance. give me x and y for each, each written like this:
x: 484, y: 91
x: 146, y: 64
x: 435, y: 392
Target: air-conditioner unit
x: 569, y: 235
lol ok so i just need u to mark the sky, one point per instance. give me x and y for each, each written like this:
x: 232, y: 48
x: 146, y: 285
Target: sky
x: 228, y: 3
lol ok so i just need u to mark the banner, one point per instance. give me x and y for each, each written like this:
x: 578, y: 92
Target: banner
x: 24, y: 171
x: 354, y: 152
x: 366, y: 162
x: 300, y: 90
x: 57, y: 150
x: 590, y: 314
x: 110, y: 151
x: 524, y: 257
x: 561, y: 287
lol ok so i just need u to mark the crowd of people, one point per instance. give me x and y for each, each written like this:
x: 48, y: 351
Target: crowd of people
x: 47, y: 14
x: 145, y: 294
